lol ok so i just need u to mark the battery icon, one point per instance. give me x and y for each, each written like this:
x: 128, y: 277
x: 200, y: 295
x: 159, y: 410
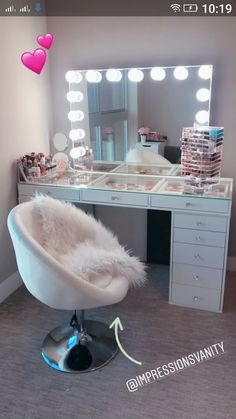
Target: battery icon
x: 190, y: 8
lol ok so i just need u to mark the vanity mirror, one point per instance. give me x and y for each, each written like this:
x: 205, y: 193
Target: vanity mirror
x: 107, y: 108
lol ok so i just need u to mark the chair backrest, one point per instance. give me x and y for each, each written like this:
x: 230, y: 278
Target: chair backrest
x: 145, y: 156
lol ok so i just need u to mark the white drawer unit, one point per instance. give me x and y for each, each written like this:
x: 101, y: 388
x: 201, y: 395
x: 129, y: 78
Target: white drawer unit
x: 200, y: 222
x: 198, y: 258
x: 115, y: 198
x: 197, y: 276
x: 207, y: 238
x: 195, y: 297
x: 190, y: 204
x: 57, y: 192
x: 189, y: 254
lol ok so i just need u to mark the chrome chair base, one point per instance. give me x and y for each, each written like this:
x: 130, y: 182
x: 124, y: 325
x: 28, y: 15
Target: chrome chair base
x: 68, y: 350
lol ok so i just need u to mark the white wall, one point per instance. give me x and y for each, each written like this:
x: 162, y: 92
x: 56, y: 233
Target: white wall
x: 24, y: 116
x: 90, y: 42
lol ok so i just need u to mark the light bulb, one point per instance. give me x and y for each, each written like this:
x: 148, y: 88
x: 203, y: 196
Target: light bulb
x: 113, y: 75
x: 77, y: 134
x: 205, y: 72
x: 202, y: 117
x: 203, y: 95
x: 135, y: 75
x: 181, y: 73
x: 77, y: 152
x: 93, y: 76
x: 73, y: 76
x: 74, y: 116
x: 158, y: 73
x: 74, y: 96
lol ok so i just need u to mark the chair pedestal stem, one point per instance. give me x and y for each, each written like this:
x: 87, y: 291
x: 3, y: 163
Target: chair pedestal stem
x: 81, y: 323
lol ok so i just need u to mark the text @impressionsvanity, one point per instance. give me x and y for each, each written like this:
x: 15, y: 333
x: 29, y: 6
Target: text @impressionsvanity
x: 172, y: 367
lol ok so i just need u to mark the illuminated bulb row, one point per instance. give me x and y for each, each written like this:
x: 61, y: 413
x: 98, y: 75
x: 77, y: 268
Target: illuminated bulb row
x: 136, y: 75
x: 74, y: 96
x: 203, y: 95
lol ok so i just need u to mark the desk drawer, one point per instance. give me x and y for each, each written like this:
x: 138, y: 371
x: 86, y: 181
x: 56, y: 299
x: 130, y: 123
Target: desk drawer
x: 114, y: 198
x: 201, y: 222
x: 200, y: 237
x: 190, y: 254
x: 194, y: 297
x: 57, y: 192
x: 191, y: 204
x: 197, y: 276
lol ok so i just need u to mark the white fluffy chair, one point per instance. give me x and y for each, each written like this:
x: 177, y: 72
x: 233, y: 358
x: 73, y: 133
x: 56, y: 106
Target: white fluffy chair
x: 70, y: 261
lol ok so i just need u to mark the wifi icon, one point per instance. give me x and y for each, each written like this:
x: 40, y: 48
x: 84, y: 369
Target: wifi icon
x: 175, y: 7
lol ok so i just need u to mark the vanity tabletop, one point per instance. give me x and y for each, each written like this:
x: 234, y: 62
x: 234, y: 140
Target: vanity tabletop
x: 133, y: 177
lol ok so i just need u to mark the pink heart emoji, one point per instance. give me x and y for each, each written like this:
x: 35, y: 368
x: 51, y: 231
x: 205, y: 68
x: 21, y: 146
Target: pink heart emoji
x: 45, y: 41
x: 35, y: 61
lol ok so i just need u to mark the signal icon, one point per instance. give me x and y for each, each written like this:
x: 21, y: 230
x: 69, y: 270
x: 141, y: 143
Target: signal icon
x: 25, y: 9
x: 176, y: 7
x: 10, y: 9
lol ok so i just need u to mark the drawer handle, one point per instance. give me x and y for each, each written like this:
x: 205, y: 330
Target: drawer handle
x: 197, y: 256
x: 196, y: 298
x: 200, y: 224
x: 188, y: 204
x: 198, y: 238
x: 49, y: 193
x: 115, y: 198
x: 195, y: 277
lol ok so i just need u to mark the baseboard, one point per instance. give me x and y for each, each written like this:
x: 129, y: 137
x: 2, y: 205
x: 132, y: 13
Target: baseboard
x: 231, y: 263
x: 9, y: 285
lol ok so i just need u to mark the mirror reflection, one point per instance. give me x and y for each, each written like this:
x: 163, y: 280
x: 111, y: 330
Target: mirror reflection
x: 115, y: 110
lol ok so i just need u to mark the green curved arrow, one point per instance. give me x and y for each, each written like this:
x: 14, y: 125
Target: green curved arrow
x: 117, y: 324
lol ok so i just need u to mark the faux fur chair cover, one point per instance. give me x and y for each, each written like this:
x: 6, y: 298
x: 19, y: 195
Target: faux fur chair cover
x: 83, y: 244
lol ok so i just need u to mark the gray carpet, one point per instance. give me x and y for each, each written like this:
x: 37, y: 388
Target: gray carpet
x: 154, y: 333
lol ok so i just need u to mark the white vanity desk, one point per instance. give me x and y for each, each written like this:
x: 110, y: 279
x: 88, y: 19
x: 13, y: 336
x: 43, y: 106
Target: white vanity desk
x: 200, y: 224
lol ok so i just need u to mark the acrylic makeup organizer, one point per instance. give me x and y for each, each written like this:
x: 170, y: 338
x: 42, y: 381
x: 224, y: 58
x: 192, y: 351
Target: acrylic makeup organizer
x: 201, y: 156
